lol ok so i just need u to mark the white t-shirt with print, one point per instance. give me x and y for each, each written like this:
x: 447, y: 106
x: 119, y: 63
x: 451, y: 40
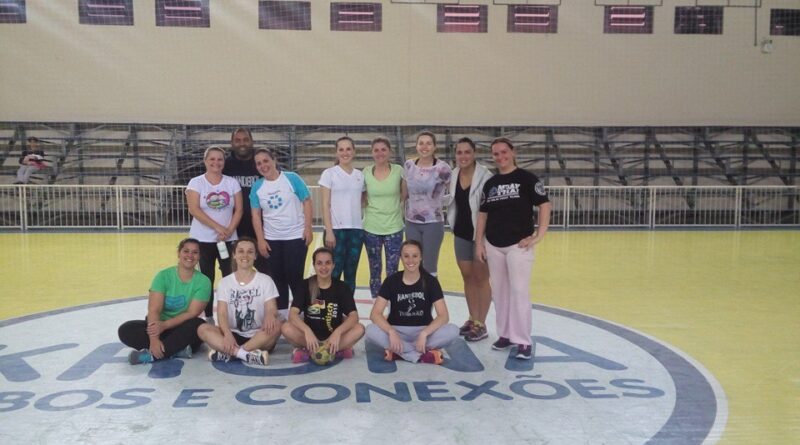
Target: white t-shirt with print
x: 346, y: 189
x: 246, y: 302
x: 216, y: 201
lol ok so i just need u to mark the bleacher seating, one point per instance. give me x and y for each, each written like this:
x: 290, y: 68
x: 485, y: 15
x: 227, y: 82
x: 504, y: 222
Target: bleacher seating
x: 108, y: 154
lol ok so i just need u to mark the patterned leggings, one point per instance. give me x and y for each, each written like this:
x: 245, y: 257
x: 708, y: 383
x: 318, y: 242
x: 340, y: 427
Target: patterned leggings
x: 374, y: 243
x: 346, y: 254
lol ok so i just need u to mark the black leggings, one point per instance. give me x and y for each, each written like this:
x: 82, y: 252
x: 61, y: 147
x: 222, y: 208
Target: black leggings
x: 286, y: 262
x: 209, y: 254
x: 134, y: 334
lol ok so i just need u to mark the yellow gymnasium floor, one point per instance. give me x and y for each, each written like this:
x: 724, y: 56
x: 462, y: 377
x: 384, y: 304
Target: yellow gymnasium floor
x: 730, y: 300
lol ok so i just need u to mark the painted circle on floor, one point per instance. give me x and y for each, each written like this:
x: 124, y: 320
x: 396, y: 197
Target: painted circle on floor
x: 65, y: 379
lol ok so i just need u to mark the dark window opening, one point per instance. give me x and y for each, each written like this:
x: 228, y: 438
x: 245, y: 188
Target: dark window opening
x: 284, y: 15
x: 784, y: 22
x: 698, y: 20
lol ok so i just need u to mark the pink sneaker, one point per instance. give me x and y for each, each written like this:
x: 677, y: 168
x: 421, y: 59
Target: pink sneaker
x: 433, y: 356
x: 299, y: 355
x: 345, y: 353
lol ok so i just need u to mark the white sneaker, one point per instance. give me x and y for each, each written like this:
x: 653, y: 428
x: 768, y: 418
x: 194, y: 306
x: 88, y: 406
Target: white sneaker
x: 257, y: 357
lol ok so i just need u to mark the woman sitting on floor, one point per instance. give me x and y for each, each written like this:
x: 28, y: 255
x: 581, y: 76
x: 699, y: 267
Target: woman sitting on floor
x: 178, y: 296
x: 247, y: 312
x: 410, y: 332
x: 329, y: 313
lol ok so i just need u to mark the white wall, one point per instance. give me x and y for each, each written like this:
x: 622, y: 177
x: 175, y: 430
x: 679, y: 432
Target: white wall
x: 54, y: 69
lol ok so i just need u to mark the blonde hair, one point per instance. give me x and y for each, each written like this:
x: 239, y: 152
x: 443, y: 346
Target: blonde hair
x: 213, y: 148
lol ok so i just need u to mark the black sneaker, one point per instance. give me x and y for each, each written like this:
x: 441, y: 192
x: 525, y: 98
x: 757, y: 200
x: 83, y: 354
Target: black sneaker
x: 524, y: 352
x: 501, y: 343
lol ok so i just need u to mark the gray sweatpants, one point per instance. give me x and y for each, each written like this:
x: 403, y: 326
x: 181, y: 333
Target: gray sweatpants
x: 430, y: 236
x: 408, y: 335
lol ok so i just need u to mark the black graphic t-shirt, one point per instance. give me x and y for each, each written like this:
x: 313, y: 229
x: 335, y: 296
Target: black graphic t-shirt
x: 246, y: 174
x: 411, y: 305
x: 508, y: 202
x: 328, y: 311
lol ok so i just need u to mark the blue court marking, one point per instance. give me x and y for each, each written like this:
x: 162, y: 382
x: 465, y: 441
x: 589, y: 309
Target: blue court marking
x: 695, y: 408
x: 695, y: 401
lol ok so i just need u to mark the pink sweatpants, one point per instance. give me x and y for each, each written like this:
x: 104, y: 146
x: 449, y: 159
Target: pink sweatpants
x: 510, y: 274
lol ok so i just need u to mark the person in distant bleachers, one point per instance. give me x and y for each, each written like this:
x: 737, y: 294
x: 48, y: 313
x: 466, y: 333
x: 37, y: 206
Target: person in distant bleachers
x: 31, y: 161
x: 215, y: 203
x: 341, y: 187
x: 177, y: 298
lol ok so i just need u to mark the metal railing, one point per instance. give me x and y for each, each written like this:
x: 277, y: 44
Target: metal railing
x: 53, y: 207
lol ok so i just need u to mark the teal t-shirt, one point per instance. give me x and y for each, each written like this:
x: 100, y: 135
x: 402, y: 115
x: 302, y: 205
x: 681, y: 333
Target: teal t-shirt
x: 383, y: 214
x: 178, y: 294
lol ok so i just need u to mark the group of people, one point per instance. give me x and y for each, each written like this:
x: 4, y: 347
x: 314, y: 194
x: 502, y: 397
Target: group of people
x: 269, y: 230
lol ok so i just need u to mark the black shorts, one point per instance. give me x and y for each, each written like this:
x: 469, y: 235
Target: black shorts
x: 239, y: 339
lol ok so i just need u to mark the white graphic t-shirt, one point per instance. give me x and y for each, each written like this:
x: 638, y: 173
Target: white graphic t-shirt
x: 216, y: 201
x: 246, y: 302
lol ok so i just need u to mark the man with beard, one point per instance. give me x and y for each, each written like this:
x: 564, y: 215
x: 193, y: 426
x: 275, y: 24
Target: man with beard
x: 241, y: 165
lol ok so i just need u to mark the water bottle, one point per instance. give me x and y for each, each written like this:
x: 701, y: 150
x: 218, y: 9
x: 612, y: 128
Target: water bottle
x: 223, y: 250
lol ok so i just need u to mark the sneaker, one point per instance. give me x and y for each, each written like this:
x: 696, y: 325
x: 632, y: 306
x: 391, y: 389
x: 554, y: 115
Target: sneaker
x: 184, y: 353
x: 477, y: 333
x: 433, y: 356
x: 139, y: 357
x: 524, y: 352
x: 390, y: 356
x: 299, y: 355
x: 466, y: 327
x: 216, y: 356
x: 257, y: 357
x: 501, y: 343
x: 345, y: 353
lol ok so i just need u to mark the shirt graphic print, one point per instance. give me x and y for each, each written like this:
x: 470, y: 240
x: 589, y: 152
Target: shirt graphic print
x: 241, y: 301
